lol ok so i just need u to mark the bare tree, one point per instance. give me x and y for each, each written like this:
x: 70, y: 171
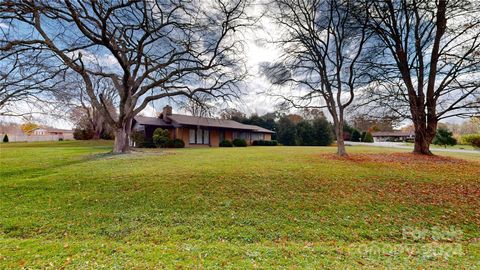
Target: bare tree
x: 428, y: 61
x: 322, y: 46
x: 232, y: 114
x: 148, y: 49
x: 199, y: 105
x: 26, y: 83
x: 81, y: 111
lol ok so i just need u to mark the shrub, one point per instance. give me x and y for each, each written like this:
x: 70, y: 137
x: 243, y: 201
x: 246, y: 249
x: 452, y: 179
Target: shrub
x: 60, y: 139
x: 147, y: 144
x: 5, y: 138
x: 83, y: 134
x: 368, y: 138
x: 258, y: 142
x: 444, y: 137
x: 471, y: 139
x: 161, y: 137
x: 265, y: 143
x: 178, y: 143
x: 225, y: 143
x: 239, y: 143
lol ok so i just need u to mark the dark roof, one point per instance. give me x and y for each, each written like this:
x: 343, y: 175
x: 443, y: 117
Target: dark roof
x: 213, y: 122
x: 392, y: 134
x: 151, y: 121
x: 187, y: 120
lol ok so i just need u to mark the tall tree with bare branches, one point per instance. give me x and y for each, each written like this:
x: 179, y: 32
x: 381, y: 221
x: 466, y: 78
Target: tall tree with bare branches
x: 427, y: 64
x: 148, y: 49
x: 27, y: 83
x: 323, y: 45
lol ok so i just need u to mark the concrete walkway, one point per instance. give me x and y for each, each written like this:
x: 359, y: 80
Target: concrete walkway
x: 403, y: 146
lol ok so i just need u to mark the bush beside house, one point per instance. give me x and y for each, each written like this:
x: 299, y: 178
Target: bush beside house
x: 226, y: 143
x: 160, y: 139
x: 239, y: 143
x: 5, y: 138
x: 265, y: 143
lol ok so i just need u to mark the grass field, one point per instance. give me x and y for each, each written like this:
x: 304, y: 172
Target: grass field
x: 72, y: 205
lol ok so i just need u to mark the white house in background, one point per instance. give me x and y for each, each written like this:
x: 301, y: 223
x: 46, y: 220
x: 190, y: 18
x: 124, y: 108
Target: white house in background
x: 393, y: 136
x: 39, y: 135
x: 54, y: 134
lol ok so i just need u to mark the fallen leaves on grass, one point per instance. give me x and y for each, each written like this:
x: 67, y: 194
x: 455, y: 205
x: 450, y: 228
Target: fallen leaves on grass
x: 399, y: 158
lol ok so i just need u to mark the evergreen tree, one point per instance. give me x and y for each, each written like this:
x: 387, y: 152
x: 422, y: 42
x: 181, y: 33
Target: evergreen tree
x: 323, y: 132
x: 5, y: 138
x: 305, y: 133
x: 444, y: 137
x: 355, y: 135
x: 286, y: 131
x: 368, y: 138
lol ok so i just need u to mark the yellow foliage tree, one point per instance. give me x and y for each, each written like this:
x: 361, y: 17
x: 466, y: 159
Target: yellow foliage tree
x: 28, y: 127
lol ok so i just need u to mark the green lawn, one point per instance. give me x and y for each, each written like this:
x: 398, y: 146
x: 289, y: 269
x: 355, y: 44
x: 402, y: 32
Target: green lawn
x: 72, y: 205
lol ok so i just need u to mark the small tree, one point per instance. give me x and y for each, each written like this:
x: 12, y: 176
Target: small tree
x: 355, y: 135
x: 305, y: 133
x: 362, y: 136
x: 444, y: 137
x: 161, y: 137
x: 286, y: 131
x: 5, y: 138
x: 368, y: 138
x: 323, y: 132
x: 28, y: 127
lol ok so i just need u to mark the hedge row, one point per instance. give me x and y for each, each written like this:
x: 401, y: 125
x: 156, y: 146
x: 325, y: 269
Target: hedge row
x: 265, y: 143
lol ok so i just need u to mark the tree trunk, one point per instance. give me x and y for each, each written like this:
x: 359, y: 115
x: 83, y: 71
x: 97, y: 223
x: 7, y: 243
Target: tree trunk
x: 97, y: 124
x: 424, y: 131
x: 122, y: 137
x: 422, y: 145
x: 341, y: 151
x: 96, y: 133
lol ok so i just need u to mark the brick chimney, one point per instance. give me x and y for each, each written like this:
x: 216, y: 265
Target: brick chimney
x: 167, y: 110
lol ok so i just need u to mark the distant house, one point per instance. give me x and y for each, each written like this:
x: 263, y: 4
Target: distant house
x: 393, y: 136
x: 51, y: 134
x: 38, y: 135
x: 199, y: 131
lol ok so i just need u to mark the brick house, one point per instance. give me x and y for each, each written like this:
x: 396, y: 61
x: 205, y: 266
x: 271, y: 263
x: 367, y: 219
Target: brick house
x: 199, y: 131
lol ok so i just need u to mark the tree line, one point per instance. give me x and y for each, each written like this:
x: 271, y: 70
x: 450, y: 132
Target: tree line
x: 310, y: 128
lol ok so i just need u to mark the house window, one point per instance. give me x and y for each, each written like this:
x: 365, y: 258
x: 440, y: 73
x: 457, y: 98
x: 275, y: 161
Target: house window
x: 206, y: 136
x: 199, y: 136
x: 192, y: 136
x: 257, y: 136
x: 222, y: 135
x: 241, y: 135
